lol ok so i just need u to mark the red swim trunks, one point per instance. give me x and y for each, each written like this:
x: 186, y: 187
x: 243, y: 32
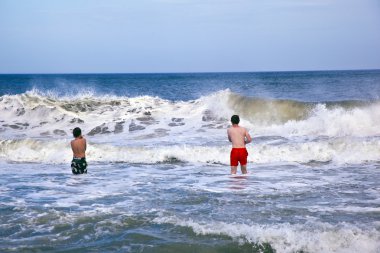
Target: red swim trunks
x: 239, y: 155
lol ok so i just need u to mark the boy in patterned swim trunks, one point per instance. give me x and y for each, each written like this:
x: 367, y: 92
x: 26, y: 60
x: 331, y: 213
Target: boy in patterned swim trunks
x: 78, y: 145
x: 239, y: 137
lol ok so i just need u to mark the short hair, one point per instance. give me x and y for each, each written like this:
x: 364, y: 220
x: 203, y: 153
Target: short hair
x: 235, y: 119
x: 77, y: 132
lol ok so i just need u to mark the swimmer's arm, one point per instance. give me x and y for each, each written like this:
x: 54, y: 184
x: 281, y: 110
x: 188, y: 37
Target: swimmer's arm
x: 248, y: 138
x: 72, y: 146
x: 229, y: 137
x: 85, y: 144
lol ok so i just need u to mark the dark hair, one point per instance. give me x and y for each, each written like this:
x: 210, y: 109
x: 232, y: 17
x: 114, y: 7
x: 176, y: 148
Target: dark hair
x: 235, y: 119
x: 77, y: 132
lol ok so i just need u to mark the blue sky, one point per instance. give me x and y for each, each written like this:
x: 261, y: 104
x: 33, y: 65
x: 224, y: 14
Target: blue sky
x: 129, y: 36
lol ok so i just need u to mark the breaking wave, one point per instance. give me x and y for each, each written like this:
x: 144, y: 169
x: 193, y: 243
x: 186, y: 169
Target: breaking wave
x: 36, y: 127
x: 287, y: 238
x: 36, y: 114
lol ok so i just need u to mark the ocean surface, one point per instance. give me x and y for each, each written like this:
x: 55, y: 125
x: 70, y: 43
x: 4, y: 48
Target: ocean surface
x: 158, y: 160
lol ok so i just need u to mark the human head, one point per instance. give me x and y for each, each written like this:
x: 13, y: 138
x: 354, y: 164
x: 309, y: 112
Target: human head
x: 235, y: 119
x: 77, y: 132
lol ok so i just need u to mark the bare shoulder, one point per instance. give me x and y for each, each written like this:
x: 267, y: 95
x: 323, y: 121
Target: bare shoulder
x: 243, y: 129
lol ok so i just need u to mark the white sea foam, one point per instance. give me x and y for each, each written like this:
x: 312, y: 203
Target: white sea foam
x: 340, y: 151
x: 287, y: 238
x: 360, y: 121
x: 346, y: 209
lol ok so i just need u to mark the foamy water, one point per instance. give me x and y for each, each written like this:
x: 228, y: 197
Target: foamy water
x: 159, y: 178
x: 290, y: 207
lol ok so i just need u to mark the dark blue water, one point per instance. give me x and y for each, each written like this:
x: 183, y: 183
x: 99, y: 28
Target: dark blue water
x: 302, y: 86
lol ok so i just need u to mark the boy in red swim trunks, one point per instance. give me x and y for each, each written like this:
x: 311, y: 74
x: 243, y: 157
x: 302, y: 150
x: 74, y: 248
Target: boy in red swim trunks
x: 239, y: 136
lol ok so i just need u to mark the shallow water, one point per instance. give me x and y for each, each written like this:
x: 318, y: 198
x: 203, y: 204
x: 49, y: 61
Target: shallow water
x: 167, y: 207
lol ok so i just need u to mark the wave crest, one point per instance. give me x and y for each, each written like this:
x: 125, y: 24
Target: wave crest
x: 288, y: 238
x: 36, y: 114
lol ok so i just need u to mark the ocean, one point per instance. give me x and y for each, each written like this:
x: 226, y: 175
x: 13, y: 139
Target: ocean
x: 158, y: 177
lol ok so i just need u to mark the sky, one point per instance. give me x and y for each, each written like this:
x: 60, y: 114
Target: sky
x: 149, y: 36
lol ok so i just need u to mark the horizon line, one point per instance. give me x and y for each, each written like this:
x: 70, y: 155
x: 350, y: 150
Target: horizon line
x: 182, y: 72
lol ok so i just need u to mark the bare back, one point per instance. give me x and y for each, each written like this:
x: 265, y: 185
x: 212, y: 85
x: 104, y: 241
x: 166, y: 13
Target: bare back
x: 79, y: 147
x: 239, y: 136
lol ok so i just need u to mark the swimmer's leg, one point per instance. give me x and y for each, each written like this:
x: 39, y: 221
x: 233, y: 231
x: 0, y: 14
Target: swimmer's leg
x: 243, y: 169
x: 233, y: 169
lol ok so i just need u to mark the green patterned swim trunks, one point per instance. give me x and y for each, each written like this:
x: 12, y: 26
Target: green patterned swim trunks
x: 79, y: 165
